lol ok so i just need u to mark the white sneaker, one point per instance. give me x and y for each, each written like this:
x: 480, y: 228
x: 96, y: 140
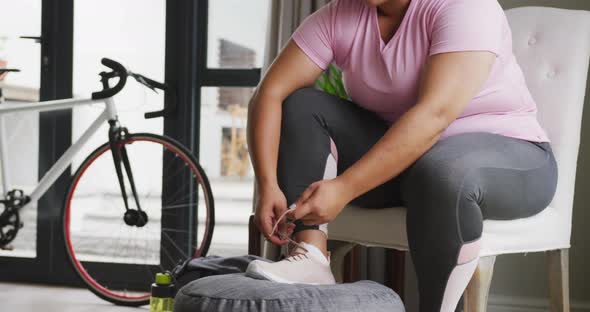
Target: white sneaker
x: 311, y: 267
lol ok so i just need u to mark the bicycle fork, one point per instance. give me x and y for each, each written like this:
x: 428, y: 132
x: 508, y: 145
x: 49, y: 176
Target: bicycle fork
x: 117, y: 137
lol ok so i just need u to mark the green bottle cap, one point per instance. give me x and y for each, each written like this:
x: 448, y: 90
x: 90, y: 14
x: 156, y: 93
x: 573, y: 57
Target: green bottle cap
x: 163, y: 279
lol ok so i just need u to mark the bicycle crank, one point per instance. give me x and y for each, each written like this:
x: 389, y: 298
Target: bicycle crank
x: 10, y: 222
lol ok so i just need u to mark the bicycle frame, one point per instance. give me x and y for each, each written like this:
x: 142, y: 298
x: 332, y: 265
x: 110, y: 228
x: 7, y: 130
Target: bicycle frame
x: 109, y: 113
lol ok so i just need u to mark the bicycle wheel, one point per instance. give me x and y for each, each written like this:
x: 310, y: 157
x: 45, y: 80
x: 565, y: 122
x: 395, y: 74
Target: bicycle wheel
x: 118, y: 261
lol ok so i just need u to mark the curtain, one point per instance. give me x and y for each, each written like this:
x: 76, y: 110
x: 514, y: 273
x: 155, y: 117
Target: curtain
x: 285, y: 16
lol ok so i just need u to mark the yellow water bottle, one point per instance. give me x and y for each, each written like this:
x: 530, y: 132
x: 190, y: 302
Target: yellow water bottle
x: 162, y: 298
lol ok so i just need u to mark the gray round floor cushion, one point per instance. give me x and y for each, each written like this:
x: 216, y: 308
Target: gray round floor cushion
x: 236, y: 292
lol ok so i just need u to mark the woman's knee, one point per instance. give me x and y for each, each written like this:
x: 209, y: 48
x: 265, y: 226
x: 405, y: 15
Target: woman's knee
x: 431, y: 175
x: 300, y: 102
x: 445, y: 194
x: 298, y: 112
x: 309, y: 102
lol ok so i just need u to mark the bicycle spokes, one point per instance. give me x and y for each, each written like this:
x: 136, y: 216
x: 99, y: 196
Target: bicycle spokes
x: 117, y: 260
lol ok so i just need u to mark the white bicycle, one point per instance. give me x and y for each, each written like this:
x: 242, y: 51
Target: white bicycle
x: 117, y: 204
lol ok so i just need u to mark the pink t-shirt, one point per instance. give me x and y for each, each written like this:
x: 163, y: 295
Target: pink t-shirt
x: 384, y: 78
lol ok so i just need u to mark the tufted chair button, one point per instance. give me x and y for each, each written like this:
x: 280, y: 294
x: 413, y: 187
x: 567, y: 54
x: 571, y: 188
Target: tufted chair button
x: 551, y: 74
x: 532, y: 40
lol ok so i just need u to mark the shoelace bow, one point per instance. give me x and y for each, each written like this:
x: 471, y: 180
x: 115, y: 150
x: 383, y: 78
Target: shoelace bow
x: 285, y: 236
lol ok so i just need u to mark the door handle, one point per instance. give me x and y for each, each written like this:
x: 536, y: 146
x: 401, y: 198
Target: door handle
x: 38, y: 39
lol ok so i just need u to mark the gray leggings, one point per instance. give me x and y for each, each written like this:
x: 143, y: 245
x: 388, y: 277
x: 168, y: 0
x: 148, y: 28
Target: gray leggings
x: 448, y: 191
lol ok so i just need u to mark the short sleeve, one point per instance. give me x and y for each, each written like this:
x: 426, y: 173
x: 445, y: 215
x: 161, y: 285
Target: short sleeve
x: 467, y: 25
x: 315, y: 36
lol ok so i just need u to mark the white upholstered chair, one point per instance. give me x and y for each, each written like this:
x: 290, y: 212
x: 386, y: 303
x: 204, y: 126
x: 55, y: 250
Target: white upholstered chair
x: 553, y: 48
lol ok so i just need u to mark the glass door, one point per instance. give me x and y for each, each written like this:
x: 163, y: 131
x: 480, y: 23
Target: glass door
x: 74, y: 36
x: 232, y: 70
x: 21, y: 130
x: 132, y: 33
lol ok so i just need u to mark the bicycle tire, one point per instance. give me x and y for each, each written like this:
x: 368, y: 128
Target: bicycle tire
x: 200, y: 176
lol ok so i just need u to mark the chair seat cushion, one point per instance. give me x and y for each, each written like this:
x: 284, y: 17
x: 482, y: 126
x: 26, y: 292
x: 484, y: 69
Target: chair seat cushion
x: 236, y: 292
x: 387, y: 228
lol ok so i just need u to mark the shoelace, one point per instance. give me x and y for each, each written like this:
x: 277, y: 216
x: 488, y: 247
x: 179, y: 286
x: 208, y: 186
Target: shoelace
x: 296, y: 257
x: 283, y: 235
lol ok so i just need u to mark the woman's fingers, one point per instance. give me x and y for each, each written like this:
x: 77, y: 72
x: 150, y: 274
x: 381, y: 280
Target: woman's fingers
x: 265, y: 224
x: 306, y: 194
x: 274, y: 237
x: 303, y: 205
x: 299, y: 211
x: 279, y: 229
x: 261, y: 222
x: 291, y: 228
x: 302, y: 209
x: 279, y: 210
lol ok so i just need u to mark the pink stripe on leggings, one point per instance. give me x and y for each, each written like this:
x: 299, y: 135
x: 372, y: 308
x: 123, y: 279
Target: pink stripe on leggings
x: 469, y: 252
x: 333, y: 150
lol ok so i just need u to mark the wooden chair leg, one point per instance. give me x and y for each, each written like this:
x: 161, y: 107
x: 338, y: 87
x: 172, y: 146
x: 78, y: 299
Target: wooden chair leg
x: 558, y: 265
x: 258, y: 245
x: 351, y: 266
x: 475, y: 298
x: 254, y: 238
x: 395, y: 270
x: 337, y: 255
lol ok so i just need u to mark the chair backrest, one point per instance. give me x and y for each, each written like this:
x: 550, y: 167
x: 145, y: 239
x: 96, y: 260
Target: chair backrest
x: 552, y: 47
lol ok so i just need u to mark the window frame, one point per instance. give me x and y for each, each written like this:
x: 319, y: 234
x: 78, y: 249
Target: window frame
x: 185, y: 71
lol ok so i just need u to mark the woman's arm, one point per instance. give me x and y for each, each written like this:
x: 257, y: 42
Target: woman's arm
x: 448, y: 84
x: 291, y: 70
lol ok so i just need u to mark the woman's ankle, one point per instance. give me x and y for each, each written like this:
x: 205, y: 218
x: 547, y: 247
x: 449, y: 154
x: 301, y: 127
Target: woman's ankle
x: 316, y: 238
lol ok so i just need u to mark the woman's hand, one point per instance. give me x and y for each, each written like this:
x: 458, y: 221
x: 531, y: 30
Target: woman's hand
x: 321, y: 202
x: 270, y: 206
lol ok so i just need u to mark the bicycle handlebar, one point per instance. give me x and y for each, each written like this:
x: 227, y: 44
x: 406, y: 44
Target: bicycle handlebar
x: 117, y: 71
x: 8, y: 70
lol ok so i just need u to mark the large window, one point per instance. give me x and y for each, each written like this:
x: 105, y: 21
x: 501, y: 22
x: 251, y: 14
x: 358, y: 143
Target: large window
x: 21, y: 18
x: 235, y: 51
x: 136, y: 39
x: 209, y: 53
x: 236, y: 33
x: 61, y: 60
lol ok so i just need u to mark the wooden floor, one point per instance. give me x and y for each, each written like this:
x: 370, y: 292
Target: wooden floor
x: 34, y: 298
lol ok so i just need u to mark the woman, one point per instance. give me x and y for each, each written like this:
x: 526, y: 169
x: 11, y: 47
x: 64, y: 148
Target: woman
x: 441, y: 122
